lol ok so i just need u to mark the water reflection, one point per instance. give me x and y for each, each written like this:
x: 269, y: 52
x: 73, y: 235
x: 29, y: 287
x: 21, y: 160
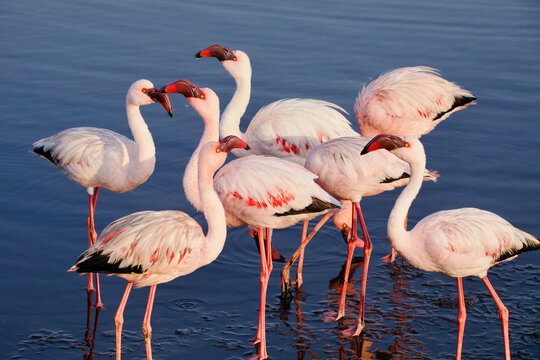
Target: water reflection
x: 90, y: 335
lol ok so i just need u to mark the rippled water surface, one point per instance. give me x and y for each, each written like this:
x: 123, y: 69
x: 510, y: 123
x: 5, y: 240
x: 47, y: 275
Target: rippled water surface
x: 67, y: 64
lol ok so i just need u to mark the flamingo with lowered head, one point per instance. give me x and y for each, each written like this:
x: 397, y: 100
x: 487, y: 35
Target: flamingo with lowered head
x: 460, y: 242
x: 349, y: 176
x: 261, y: 191
x: 152, y: 247
x: 100, y: 158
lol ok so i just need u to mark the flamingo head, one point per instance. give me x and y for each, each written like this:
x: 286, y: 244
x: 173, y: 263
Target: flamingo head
x: 387, y: 142
x: 220, y: 52
x: 143, y: 92
x: 236, y: 62
x: 231, y: 142
x: 184, y: 87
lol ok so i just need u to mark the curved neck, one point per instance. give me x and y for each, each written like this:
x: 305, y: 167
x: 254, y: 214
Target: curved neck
x: 190, y: 180
x: 230, y: 119
x: 141, y: 134
x: 213, y: 213
x: 396, y: 230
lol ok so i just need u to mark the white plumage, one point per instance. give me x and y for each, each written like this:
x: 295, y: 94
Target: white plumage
x: 408, y: 101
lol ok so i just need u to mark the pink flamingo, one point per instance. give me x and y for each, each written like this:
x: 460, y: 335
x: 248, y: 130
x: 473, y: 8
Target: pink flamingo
x: 349, y: 176
x: 460, y: 242
x: 408, y: 101
x: 287, y: 128
x: 261, y: 191
x: 152, y: 247
x: 100, y: 158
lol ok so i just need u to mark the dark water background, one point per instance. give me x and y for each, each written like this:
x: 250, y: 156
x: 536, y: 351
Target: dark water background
x: 67, y: 64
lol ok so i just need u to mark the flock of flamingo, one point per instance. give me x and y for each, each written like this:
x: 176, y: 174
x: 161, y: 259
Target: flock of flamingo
x: 298, y: 159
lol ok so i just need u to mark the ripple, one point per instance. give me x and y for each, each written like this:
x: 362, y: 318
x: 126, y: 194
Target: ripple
x: 187, y: 304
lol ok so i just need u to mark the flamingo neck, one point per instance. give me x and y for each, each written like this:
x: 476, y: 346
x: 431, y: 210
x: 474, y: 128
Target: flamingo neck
x: 396, y: 230
x: 141, y: 135
x: 190, y: 180
x: 213, y: 212
x: 230, y: 119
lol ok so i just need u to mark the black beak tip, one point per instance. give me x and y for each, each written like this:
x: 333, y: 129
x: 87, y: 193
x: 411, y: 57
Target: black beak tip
x: 163, y: 90
x: 247, y: 147
x: 198, y: 55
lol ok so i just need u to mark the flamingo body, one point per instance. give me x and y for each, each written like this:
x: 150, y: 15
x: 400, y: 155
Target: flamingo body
x: 269, y: 192
x: 464, y: 242
x: 94, y: 157
x: 408, y: 101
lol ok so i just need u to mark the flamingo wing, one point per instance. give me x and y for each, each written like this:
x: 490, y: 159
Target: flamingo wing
x: 290, y: 128
x: 408, y: 101
x: 146, y: 243
x: 257, y: 188
x: 468, y: 241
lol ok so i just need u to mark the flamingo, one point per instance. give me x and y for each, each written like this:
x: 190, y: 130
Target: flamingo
x: 349, y: 176
x: 100, y: 158
x: 152, y: 247
x: 287, y: 128
x: 458, y: 243
x: 408, y: 101
x: 262, y: 191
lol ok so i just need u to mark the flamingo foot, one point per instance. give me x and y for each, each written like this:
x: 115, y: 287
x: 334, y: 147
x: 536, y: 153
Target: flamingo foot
x: 255, y: 340
x: 286, y: 291
x: 390, y: 258
x: 340, y: 314
x: 277, y: 257
x: 329, y: 316
x: 350, y: 331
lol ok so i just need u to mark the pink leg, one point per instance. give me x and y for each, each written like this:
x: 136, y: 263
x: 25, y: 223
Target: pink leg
x: 461, y: 318
x: 300, y: 265
x: 350, y: 253
x: 503, y: 315
x: 146, y: 328
x: 266, y: 266
x: 119, y: 320
x: 285, y: 271
x: 90, y: 286
x: 368, y: 246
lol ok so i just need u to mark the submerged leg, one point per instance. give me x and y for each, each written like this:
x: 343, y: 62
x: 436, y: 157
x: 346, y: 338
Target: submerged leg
x: 461, y: 318
x: 146, y: 328
x: 119, y: 320
x: 300, y: 265
x: 285, y: 271
x: 368, y: 246
x: 350, y: 253
x: 503, y: 315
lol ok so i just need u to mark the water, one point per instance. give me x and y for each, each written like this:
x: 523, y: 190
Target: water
x: 68, y: 64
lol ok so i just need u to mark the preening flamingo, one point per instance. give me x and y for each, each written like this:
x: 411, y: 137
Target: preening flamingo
x: 457, y: 243
x: 152, y: 247
x: 287, y: 128
x: 408, y: 101
x: 349, y: 176
x: 100, y: 158
x: 261, y: 191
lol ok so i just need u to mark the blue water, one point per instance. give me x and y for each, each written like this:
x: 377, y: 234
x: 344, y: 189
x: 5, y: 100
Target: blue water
x: 67, y: 64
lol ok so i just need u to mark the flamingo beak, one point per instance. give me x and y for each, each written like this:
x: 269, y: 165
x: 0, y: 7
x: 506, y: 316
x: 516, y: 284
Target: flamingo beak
x: 157, y: 96
x: 220, y: 52
x: 184, y: 87
x: 232, y: 142
x: 383, y: 141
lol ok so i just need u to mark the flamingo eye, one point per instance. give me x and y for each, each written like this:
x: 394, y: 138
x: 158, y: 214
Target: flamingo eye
x: 217, y: 149
x: 235, y: 58
x: 144, y: 91
x: 407, y: 144
x: 202, y: 96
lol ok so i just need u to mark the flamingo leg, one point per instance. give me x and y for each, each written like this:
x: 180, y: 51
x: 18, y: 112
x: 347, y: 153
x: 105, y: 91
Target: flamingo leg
x: 368, y: 247
x: 266, y: 267
x: 92, y: 237
x: 350, y: 253
x: 461, y: 318
x: 146, y: 328
x: 300, y: 265
x: 503, y: 315
x: 119, y: 320
x: 285, y: 271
